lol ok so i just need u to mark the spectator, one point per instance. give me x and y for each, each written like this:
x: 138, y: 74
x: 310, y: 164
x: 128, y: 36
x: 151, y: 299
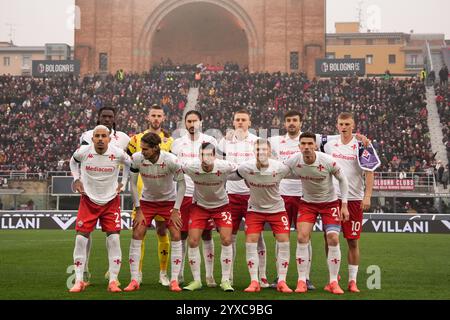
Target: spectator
x: 423, y: 75
x: 443, y: 76
x: 445, y: 177
x: 440, y: 170
x: 432, y: 78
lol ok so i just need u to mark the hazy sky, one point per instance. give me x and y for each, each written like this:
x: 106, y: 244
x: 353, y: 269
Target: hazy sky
x: 37, y: 22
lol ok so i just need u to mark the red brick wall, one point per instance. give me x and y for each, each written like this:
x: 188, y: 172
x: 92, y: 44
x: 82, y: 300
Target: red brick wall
x: 126, y: 30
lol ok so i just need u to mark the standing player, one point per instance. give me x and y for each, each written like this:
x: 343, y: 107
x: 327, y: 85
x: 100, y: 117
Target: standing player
x: 210, y: 201
x: 265, y: 204
x: 316, y: 170
x: 107, y: 118
x: 283, y: 148
x: 99, y: 188
x: 155, y: 118
x: 238, y: 149
x: 345, y: 150
x: 159, y: 170
x: 187, y: 149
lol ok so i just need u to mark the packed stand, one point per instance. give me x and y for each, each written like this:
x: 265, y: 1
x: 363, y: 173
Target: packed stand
x: 41, y: 120
x: 390, y: 112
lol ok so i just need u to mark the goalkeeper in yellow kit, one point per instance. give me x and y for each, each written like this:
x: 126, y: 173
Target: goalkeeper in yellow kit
x: 156, y: 118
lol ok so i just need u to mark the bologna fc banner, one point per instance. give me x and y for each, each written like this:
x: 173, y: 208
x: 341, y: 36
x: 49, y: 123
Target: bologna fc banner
x: 340, y: 67
x: 45, y: 68
x: 372, y: 222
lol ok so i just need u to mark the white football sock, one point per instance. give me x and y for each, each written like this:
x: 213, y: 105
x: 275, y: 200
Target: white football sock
x: 334, y: 261
x: 114, y: 256
x: 283, y: 258
x: 226, y: 260
x: 208, y: 255
x: 302, y: 257
x: 176, y: 259
x: 194, y: 261
x: 135, y: 258
x: 252, y: 260
x: 183, y: 258
x: 262, y: 254
x: 352, y: 272
x: 79, y: 256
x: 308, y: 271
x: 88, y: 254
x: 233, y: 242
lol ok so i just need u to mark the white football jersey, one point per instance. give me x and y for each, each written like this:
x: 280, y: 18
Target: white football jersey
x: 237, y: 152
x: 346, y: 155
x: 158, y: 178
x: 209, y: 190
x: 187, y: 150
x: 317, y: 178
x: 264, y: 185
x: 283, y: 148
x: 100, y: 173
x: 118, y: 139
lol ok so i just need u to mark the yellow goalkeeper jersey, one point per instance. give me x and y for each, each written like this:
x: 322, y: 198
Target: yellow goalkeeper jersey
x: 135, y: 143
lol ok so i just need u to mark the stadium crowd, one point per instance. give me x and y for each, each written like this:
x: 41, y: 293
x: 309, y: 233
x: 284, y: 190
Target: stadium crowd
x: 392, y: 113
x: 42, y: 119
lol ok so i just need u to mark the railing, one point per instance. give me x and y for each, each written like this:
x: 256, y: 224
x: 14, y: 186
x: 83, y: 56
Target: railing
x: 414, y: 66
x: 384, y: 181
x: 22, y: 175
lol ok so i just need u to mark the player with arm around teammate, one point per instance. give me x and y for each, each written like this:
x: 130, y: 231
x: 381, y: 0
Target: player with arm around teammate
x: 263, y: 176
x: 316, y: 170
x: 158, y: 170
x: 347, y: 151
x: 210, y: 201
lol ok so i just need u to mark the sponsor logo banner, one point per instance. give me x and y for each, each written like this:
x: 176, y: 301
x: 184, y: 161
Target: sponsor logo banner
x: 340, y: 67
x: 378, y: 223
x: 44, y: 68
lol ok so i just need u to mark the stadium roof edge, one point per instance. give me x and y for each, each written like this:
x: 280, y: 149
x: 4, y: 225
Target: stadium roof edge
x: 21, y: 49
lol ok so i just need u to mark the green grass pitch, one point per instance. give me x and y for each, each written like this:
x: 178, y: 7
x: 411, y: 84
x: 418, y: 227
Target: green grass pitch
x: 33, y: 265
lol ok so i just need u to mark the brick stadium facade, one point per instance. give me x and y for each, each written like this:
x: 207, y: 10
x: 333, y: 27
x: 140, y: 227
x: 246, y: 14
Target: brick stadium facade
x: 261, y: 34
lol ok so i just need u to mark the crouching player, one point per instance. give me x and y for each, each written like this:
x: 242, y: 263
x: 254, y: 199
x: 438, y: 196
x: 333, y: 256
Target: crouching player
x: 159, y: 170
x: 263, y: 176
x: 210, y: 201
x: 316, y: 170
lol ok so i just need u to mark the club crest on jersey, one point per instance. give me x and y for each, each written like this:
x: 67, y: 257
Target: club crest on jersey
x: 320, y: 167
x: 112, y: 157
x: 366, y: 154
x: 90, y: 156
x: 80, y: 223
x: 162, y: 165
